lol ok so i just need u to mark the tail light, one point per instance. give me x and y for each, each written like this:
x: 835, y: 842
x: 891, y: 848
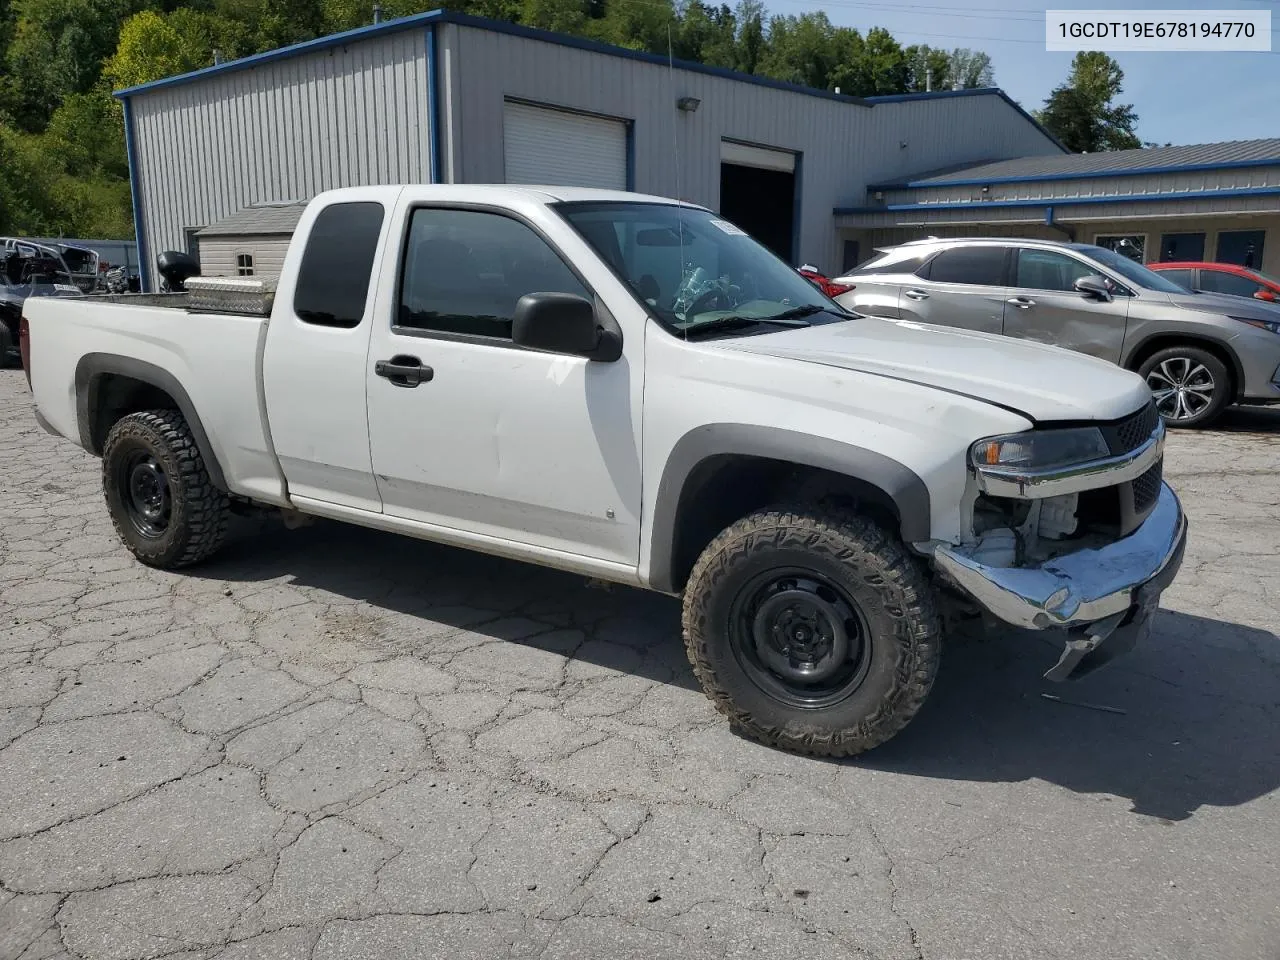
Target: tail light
x: 833, y: 289
x: 24, y: 348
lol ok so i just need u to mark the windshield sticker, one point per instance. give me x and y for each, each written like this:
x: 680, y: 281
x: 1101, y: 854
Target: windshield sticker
x: 729, y: 228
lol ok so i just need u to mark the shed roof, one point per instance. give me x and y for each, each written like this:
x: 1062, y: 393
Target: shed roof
x: 1113, y: 163
x: 262, y: 220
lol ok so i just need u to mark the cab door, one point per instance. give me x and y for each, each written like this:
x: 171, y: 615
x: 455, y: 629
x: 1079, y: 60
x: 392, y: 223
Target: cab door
x: 469, y: 431
x: 1043, y: 305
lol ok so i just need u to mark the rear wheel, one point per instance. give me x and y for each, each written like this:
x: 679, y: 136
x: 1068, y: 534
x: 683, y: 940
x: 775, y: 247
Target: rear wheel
x: 812, y: 631
x: 1191, y: 386
x: 158, y: 492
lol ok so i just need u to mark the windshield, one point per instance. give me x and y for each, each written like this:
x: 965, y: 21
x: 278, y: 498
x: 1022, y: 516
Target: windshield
x: 1134, y: 272
x: 696, y: 271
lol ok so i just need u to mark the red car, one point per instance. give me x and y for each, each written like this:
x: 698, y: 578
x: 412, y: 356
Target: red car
x: 1228, y: 278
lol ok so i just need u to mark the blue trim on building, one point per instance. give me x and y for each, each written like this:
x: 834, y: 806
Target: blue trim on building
x: 1088, y: 175
x: 631, y: 156
x: 480, y: 23
x: 135, y: 194
x: 434, y: 138
x: 974, y: 92
x: 1063, y: 201
x: 1048, y: 216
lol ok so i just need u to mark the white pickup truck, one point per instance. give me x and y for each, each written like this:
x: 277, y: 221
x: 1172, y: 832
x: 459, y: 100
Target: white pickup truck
x: 633, y: 389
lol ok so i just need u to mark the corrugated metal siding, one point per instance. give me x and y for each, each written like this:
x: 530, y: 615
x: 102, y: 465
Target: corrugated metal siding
x: 843, y: 146
x: 218, y: 255
x: 285, y: 130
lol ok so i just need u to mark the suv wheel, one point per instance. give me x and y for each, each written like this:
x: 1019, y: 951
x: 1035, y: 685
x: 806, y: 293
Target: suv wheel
x: 1190, y: 385
x: 812, y: 630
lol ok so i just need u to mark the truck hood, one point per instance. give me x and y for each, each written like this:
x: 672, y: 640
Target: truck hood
x: 1038, y: 381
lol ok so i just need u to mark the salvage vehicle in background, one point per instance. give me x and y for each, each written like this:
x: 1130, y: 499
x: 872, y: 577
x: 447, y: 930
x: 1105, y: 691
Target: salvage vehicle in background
x: 633, y: 389
x: 1225, y: 278
x: 27, y: 270
x: 1199, y: 353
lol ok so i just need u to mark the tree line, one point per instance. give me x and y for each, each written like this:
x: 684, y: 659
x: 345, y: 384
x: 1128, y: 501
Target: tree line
x: 62, y: 156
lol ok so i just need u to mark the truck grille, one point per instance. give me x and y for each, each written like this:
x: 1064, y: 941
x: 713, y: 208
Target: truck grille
x: 1131, y: 432
x: 1146, y: 489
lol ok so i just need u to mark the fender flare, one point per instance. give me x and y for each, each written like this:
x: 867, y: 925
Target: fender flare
x: 89, y: 373
x: 902, y: 485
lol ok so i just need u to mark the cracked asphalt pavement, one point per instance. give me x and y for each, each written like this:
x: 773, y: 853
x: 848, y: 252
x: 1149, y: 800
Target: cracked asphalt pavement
x: 336, y: 743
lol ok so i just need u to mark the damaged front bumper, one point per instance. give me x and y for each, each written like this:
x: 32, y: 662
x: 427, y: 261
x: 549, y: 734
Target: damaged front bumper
x: 1103, y: 597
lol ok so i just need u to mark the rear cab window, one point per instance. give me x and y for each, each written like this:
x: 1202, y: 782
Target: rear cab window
x: 337, y: 265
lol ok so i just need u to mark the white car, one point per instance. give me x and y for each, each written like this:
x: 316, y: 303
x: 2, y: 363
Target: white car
x: 633, y: 389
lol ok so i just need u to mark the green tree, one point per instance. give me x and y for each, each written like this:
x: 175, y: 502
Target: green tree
x: 1081, y: 113
x: 970, y: 69
x: 869, y: 66
x: 800, y: 49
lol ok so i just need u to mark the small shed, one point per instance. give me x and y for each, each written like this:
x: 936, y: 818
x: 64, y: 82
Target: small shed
x: 249, y: 243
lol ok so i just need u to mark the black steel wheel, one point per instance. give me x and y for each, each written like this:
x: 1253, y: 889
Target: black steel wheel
x: 158, y: 492
x: 149, y: 502
x: 812, y: 630
x: 1191, y: 386
x: 800, y: 637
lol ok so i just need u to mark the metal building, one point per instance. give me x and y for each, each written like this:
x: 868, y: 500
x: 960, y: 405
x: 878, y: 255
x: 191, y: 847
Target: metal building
x: 1215, y: 201
x: 447, y: 98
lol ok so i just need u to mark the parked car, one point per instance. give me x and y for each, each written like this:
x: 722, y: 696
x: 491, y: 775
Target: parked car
x: 637, y: 391
x: 1225, y: 278
x: 1199, y: 353
x: 27, y: 270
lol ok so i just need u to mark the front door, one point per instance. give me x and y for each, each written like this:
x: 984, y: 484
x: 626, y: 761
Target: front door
x: 960, y: 287
x: 1043, y: 305
x: 470, y: 432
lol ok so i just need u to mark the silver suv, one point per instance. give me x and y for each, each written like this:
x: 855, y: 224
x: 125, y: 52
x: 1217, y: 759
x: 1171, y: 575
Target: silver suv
x: 1198, y: 352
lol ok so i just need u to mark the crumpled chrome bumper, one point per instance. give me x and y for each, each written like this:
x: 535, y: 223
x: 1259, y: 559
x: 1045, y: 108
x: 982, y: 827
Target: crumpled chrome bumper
x: 1096, y: 594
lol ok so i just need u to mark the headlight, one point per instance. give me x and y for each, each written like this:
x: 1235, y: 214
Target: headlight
x: 1040, y: 449
x: 1271, y: 325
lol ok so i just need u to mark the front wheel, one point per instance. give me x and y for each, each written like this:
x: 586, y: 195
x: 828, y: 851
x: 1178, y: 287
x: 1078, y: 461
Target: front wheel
x: 1191, y: 386
x: 161, y: 500
x: 812, y: 631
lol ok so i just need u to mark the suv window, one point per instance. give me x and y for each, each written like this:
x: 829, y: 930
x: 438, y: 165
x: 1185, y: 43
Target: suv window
x: 980, y: 266
x: 1048, y: 270
x: 337, y: 265
x: 892, y: 261
x: 464, y: 271
x: 1218, y: 281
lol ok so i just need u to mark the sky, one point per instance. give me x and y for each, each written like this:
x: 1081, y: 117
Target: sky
x: 1180, y: 98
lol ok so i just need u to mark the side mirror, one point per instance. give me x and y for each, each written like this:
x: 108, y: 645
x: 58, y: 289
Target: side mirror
x: 1265, y: 294
x: 1095, y: 287
x: 563, y: 323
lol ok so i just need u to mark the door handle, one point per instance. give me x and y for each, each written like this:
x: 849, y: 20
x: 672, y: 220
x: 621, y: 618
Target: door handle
x: 404, y: 371
x: 916, y: 295
x: 1021, y: 303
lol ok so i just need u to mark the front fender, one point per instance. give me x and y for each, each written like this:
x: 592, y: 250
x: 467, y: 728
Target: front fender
x: 900, y: 484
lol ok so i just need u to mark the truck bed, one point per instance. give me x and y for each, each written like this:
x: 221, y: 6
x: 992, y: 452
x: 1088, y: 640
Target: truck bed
x: 214, y: 358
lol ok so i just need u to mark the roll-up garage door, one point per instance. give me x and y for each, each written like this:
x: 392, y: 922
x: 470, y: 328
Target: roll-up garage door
x: 559, y: 148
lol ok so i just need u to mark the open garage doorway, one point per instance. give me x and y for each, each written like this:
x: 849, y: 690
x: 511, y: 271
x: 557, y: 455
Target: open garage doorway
x: 758, y: 193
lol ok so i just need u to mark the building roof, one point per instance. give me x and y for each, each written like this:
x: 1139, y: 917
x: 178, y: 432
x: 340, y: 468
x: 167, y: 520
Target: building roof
x: 425, y: 20
x: 263, y: 220
x: 1114, y: 163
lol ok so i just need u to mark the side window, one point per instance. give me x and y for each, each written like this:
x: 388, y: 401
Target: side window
x: 1182, y: 278
x: 979, y: 266
x: 465, y: 270
x: 337, y: 265
x: 1220, y: 282
x: 892, y: 261
x: 1048, y: 270
x: 244, y: 265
